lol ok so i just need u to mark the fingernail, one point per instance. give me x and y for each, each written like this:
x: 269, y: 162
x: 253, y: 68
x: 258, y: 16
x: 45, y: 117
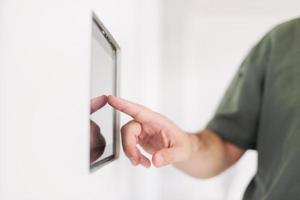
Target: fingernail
x: 133, y: 161
x: 159, y: 160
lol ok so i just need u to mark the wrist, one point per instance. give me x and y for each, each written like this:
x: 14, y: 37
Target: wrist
x: 196, y: 142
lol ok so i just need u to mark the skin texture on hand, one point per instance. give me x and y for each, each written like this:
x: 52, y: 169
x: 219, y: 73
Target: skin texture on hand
x: 154, y: 133
x: 201, y: 155
x: 97, y: 141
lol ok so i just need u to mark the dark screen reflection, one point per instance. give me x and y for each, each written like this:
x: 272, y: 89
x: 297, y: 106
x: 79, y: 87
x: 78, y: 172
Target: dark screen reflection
x: 97, y: 141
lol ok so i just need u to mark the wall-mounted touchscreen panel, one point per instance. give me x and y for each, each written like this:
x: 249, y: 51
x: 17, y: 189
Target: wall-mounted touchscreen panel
x: 104, y: 81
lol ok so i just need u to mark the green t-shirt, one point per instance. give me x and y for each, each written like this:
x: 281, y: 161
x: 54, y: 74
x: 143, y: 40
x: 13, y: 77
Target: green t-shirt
x: 261, y: 111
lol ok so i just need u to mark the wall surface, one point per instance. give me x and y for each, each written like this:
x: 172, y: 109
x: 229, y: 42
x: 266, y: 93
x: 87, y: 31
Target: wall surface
x: 45, y: 63
x: 177, y: 58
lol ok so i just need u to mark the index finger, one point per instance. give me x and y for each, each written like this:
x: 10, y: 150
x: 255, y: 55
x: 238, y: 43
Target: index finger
x: 136, y: 111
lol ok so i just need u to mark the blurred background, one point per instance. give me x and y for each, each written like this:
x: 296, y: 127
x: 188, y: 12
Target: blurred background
x: 177, y: 58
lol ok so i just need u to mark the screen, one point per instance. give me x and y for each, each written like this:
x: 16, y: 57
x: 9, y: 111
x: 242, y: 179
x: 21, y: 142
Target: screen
x: 103, y: 82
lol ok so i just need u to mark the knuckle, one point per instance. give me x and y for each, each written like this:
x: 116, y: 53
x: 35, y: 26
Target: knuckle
x: 168, y: 157
x: 139, y: 114
x: 129, y: 126
x: 126, y: 127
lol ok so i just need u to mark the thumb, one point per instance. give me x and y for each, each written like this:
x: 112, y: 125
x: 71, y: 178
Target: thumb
x: 168, y: 156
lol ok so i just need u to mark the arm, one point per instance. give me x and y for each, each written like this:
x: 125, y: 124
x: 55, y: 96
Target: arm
x: 200, y: 155
x: 210, y: 156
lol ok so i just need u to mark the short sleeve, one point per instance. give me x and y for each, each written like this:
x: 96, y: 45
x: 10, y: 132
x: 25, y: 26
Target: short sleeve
x: 237, y: 117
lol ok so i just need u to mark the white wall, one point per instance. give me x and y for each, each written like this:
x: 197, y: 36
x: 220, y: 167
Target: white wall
x: 45, y: 52
x: 177, y: 58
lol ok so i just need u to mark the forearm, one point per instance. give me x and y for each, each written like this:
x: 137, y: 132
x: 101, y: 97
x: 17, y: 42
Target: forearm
x: 210, y: 155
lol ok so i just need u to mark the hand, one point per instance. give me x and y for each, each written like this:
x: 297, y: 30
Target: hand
x: 97, y: 141
x: 157, y: 135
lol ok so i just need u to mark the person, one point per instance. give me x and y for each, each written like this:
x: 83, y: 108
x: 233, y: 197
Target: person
x: 97, y: 140
x: 260, y: 111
